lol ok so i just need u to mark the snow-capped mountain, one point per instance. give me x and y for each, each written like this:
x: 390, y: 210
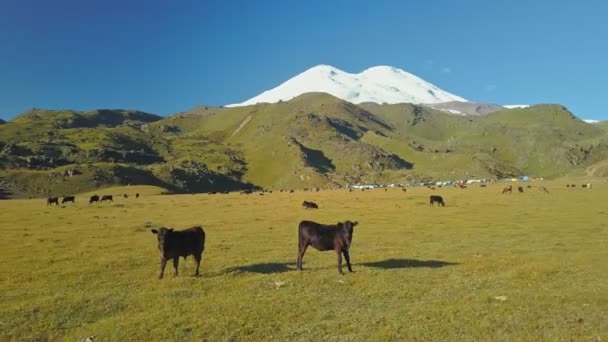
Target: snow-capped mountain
x: 380, y: 84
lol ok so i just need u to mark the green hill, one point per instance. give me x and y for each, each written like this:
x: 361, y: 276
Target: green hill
x: 312, y: 140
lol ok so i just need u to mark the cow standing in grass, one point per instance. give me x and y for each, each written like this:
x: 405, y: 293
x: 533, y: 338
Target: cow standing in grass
x: 68, y: 199
x: 310, y: 205
x: 436, y: 199
x: 94, y: 199
x: 182, y: 243
x: 52, y: 200
x: 323, y: 237
x: 107, y: 198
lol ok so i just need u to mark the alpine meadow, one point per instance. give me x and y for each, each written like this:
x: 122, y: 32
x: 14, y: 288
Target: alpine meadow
x: 303, y: 171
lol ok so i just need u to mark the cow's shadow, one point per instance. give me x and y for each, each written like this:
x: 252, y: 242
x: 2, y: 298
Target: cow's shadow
x: 407, y: 263
x: 263, y: 268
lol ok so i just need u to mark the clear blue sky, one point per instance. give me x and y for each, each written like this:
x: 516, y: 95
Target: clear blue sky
x: 169, y: 56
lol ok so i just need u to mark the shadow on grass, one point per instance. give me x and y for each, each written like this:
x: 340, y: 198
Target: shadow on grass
x: 263, y: 268
x: 407, y: 263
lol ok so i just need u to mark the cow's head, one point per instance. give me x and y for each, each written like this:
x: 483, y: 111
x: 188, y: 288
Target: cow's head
x: 348, y: 228
x: 162, y: 234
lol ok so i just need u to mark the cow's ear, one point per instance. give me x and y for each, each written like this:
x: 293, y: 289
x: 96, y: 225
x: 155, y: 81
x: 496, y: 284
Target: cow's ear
x: 154, y: 231
x: 170, y: 229
x: 355, y: 223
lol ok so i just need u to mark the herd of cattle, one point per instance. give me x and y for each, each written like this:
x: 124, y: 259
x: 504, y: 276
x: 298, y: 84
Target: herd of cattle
x: 173, y: 244
x: 92, y: 199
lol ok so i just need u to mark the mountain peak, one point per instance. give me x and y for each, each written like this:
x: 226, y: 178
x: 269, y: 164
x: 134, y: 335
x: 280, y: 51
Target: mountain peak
x: 379, y: 84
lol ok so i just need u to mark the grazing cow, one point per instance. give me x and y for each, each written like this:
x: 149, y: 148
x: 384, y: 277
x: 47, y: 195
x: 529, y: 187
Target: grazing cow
x: 508, y: 189
x: 324, y: 237
x: 125, y: 196
x: 350, y: 190
x: 520, y: 188
x: 246, y: 192
x: 261, y: 194
x: 483, y: 185
x: 174, y: 244
x: 436, y: 199
x: 94, y: 199
x: 588, y: 186
x: 137, y: 195
x: 52, y: 200
x: 291, y: 191
x: 404, y: 190
x: 107, y: 198
x: 529, y: 186
x: 310, y: 205
x: 573, y: 186
x: 567, y: 185
x: 68, y: 199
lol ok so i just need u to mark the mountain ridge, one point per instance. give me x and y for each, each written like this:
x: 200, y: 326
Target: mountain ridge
x: 313, y: 140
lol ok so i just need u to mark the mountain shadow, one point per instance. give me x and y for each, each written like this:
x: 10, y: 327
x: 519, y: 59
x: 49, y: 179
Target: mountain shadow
x: 315, y: 158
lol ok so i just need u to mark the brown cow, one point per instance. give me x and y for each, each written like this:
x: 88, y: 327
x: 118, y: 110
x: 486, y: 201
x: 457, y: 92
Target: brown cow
x: 323, y: 237
x: 508, y: 189
x: 520, y: 188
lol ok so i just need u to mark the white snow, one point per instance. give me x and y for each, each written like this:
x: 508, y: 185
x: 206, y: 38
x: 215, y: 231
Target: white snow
x: 379, y: 84
x: 591, y: 121
x: 454, y: 111
x: 516, y: 106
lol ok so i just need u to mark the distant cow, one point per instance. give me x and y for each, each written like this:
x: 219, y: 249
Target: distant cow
x: 404, y: 190
x: 520, y: 188
x: 508, y: 189
x: 310, y: 205
x: 323, y: 237
x: 483, y: 185
x: 125, y: 196
x: 182, y: 243
x: 137, y: 195
x: 291, y: 191
x: 52, y: 200
x: 107, y: 198
x: 94, y: 199
x: 529, y: 186
x: 68, y: 199
x: 246, y: 192
x: 573, y: 186
x: 588, y: 186
x: 436, y: 199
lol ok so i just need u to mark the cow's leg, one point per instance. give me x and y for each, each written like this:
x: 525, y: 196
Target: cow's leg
x: 347, y: 257
x: 197, y: 259
x: 176, y: 264
x: 301, y: 252
x: 339, y: 262
x: 163, y: 263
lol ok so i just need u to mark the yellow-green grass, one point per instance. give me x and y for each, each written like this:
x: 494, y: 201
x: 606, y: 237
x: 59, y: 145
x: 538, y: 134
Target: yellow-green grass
x: 487, y: 267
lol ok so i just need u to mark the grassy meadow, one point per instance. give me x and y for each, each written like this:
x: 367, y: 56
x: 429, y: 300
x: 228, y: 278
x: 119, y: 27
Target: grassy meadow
x: 487, y: 267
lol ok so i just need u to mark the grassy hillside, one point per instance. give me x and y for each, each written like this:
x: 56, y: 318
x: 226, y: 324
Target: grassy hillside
x: 312, y: 140
x: 487, y: 267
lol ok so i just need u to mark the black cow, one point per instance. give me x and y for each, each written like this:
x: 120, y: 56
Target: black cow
x: 291, y: 191
x: 68, y: 199
x: 52, y: 200
x: 137, y: 195
x: 310, y: 205
x: 520, y: 188
x: 246, y: 192
x: 125, y: 196
x: 323, y: 237
x: 436, y: 199
x: 174, y: 244
x: 107, y: 198
x: 94, y: 199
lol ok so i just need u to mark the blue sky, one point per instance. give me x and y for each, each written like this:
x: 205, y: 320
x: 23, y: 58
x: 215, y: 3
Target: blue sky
x: 169, y: 56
